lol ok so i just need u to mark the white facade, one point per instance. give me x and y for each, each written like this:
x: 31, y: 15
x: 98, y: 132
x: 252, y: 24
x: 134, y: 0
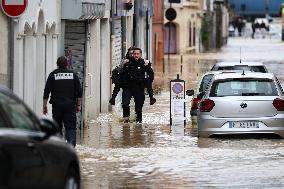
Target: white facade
x: 36, y: 39
x: 98, y: 65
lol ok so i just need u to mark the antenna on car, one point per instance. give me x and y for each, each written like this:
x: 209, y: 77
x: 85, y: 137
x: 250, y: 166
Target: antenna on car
x: 243, y: 72
x: 240, y: 55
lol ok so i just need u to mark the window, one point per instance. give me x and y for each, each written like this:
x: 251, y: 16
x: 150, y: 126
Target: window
x: 258, y: 69
x: 194, y: 33
x: 243, y: 87
x: 189, y: 35
x: 18, y: 115
x: 242, y: 67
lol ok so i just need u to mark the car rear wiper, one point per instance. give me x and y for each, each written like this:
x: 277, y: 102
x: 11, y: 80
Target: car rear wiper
x: 252, y: 94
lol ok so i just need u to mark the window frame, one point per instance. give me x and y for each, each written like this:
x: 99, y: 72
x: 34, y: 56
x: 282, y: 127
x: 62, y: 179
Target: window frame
x: 31, y: 116
x: 212, y: 92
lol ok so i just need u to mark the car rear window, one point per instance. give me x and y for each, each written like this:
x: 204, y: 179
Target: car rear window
x: 243, y: 87
x: 241, y: 67
x: 258, y: 69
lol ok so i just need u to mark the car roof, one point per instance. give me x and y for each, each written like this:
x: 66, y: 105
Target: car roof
x: 256, y: 75
x: 220, y: 64
x: 220, y: 72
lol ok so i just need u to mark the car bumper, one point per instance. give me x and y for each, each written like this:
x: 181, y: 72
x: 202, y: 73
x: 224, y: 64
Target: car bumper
x: 208, y: 126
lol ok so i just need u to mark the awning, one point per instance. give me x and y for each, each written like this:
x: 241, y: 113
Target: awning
x: 93, y: 10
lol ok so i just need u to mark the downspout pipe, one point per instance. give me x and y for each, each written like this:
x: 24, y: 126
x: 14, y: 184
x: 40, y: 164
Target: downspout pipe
x: 147, y: 33
x: 123, y: 33
x: 11, y: 53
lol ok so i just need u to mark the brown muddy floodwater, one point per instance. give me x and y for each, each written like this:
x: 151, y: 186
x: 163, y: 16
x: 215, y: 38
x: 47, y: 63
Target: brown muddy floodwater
x: 155, y: 155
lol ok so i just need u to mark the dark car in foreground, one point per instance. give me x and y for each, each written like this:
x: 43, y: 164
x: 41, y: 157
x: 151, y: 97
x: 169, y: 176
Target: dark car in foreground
x: 32, y: 155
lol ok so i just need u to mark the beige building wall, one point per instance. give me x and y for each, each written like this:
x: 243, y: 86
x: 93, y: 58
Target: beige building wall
x: 188, y: 18
x: 4, y: 50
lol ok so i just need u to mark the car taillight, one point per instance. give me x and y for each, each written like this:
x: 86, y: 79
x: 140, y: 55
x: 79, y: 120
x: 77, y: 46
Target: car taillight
x: 206, y: 105
x: 278, y: 104
x: 194, y: 103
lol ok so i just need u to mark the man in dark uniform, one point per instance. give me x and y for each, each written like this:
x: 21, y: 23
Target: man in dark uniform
x: 134, y: 76
x: 66, y: 94
x: 117, y: 74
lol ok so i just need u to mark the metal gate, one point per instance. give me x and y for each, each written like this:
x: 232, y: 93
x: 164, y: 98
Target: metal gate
x: 75, y: 49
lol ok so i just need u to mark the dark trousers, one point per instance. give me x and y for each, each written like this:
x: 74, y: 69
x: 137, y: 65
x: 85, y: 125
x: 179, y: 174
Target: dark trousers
x: 138, y: 93
x: 64, y: 113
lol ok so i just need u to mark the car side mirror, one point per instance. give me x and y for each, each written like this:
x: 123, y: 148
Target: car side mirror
x: 189, y: 92
x: 49, y: 127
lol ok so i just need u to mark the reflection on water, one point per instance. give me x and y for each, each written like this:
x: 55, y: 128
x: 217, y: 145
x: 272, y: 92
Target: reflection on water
x: 184, y: 162
x: 155, y: 155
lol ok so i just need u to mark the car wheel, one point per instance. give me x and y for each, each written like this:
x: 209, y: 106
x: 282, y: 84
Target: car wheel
x: 72, y: 179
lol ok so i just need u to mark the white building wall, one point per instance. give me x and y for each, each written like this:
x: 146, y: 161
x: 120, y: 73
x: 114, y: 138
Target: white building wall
x: 34, y: 51
x: 129, y: 31
x: 29, y: 67
x: 93, y: 71
x: 96, y: 61
x: 18, y: 62
x: 105, y: 65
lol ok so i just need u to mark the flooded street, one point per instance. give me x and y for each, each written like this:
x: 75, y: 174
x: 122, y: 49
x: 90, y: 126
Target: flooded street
x: 155, y: 155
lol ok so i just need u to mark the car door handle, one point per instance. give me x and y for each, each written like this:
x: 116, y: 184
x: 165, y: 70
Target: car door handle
x: 31, y: 145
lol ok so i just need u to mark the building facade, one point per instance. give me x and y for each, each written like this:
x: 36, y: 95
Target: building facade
x: 142, y: 26
x: 182, y: 34
x: 214, y: 26
x: 34, y: 49
x: 86, y: 44
x: 96, y: 36
x: 158, y: 36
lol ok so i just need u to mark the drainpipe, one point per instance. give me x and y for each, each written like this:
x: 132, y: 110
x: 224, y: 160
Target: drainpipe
x: 123, y: 33
x: 11, y: 53
x: 147, y: 33
x: 135, y: 24
x: 111, y: 45
x: 113, y: 5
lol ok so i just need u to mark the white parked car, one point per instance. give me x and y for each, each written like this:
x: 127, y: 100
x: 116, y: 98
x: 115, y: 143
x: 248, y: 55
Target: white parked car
x: 242, y: 103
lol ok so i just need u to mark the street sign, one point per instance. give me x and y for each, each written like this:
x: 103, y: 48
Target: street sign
x: 14, y: 8
x: 177, y: 103
x: 174, y: 1
x: 171, y: 14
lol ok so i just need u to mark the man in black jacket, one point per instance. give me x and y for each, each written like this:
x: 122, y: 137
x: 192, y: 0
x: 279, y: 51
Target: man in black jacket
x: 66, y: 94
x: 134, y: 76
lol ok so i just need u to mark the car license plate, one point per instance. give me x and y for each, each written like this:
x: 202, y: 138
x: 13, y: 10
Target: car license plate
x: 243, y: 124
